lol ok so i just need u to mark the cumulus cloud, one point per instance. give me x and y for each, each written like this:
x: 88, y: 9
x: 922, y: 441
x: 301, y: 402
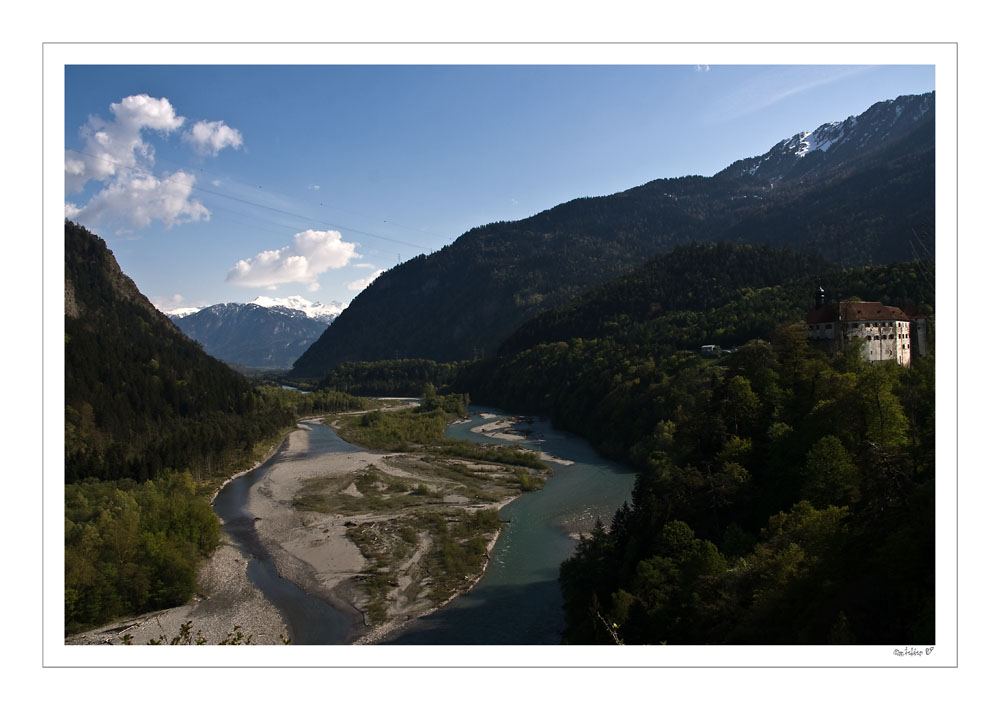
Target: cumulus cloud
x: 138, y: 199
x: 175, y: 304
x: 209, y: 137
x: 310, y: 254
x: 116, y: 155
x: 362, y: 284
x: 112, y: 148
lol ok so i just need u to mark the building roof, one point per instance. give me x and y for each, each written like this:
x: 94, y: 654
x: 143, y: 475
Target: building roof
x: 849, y: 311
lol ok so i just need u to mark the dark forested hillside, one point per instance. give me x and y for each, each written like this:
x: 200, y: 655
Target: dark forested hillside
x: 150, y: 419
x: 785, y: 495
x: 141, y: 396
x: 724, y: 294
x: 389, y: 378
x: 686, y: 288
x: 594, y: 366
x: 871, y: 203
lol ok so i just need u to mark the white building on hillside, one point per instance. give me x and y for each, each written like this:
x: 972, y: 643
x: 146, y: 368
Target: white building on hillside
x: 885, y: 330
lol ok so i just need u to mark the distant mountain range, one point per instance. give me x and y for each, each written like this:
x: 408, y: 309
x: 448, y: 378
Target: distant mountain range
x: 856, y: 192
x: 324, y: 312
x: 265, y: 333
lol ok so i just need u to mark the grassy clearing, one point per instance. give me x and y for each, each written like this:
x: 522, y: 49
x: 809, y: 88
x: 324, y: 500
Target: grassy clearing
x: 459, y: 550
x: 457, y: 555
x: 394, y: 431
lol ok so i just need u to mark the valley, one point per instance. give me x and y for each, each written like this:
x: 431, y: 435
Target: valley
x: 709, y: 473
x: 371, y: 541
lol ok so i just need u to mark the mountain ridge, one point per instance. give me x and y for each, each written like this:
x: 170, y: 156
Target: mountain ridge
x: 462, y: 300
x: 252, y: 335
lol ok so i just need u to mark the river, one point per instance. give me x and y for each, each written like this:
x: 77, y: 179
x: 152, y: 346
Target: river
x: 517, y: 601
x: 309, y: 620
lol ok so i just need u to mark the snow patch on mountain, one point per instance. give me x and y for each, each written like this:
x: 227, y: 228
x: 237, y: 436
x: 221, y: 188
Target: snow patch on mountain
x: 325, y: 312
x: 842, y: 138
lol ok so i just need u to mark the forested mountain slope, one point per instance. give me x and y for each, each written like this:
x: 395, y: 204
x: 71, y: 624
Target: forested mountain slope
x: 724, y: 294
x: 785, y: 495
x: 868, y: 198
x: 140, y: 395
x: 152, y: 424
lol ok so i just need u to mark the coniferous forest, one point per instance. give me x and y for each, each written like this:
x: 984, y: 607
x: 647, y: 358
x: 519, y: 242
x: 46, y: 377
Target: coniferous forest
x: 785, y: 495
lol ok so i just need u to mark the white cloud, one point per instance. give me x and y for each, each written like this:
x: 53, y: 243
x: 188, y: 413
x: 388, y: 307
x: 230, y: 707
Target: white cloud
x: 112, y: 148
x: 702, y: 67
x: 176, y: 304
x: 209, y: 137
x: 169, y: 304
x: 311, y: 254
x: 115, y: 154
x: 313, y: 187
x: 136, y: 199
x: 362, y: 284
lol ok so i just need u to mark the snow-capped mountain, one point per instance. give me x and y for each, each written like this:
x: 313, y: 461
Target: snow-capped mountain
x: 267, y: 332
x: 252, y: 335
x: 837, y: 142
x: 324, y: 312
x: 181, y: 312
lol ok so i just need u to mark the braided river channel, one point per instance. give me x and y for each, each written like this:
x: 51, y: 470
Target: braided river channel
x: 517, y: 600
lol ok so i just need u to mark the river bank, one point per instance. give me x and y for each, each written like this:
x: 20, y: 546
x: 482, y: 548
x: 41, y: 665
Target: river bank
x: 365, y: 531
x: 226, y: 603
x: 389, y: 498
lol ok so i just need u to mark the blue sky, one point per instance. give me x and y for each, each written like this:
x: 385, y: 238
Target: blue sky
x: 223, y: 183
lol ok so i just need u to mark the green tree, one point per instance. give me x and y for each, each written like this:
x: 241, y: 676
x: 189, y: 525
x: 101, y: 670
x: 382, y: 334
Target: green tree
x: 831, y: 478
